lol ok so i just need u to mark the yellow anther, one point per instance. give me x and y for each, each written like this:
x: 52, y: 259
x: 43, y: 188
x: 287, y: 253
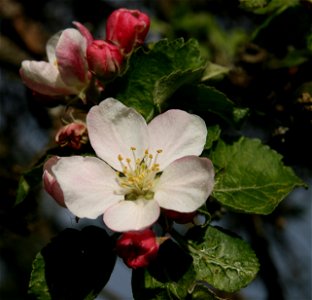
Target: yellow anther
x: 138, y: 173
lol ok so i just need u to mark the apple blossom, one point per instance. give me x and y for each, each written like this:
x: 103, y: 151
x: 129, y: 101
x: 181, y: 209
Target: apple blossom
x: 49, y: 181
x: 140, y: 167
x: 137, y: 248
x: 73, y: 135
x: 127, y: 28
x: 66, y: 72
x: 104, y: 59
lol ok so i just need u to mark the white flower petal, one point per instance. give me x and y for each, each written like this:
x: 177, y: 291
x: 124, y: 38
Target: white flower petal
x: 132, y: 215
x: 51, y: 45
x: 178, y: 134
x: 185, y: 184
x: 113, y: 129
x: 88, y: 184
x: 71, y: 58
x: 44, y: 78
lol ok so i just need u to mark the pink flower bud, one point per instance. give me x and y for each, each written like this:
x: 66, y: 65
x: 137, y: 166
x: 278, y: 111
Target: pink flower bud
x: 104, y: 59
x: 73, y: 135
x: 127, y: 28
x: 137, y: 248
x: 49, y: 181
x: 178, y: 217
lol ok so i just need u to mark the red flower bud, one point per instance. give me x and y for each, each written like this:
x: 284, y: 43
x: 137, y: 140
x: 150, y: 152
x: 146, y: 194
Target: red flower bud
x: 178, y: 217
x: 72, y: 135
x: 137, y: 248
x: 127, y: 28
x: 104, y: 59
x: 50, y: 184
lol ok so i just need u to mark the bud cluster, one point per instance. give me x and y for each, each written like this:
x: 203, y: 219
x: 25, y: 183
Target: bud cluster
x: 77, y: 63
x: 125, y: 30
x: 80, y: 66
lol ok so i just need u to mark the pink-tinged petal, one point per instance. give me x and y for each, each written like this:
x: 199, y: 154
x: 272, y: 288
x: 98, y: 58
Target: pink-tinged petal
x: 113, y: 129
x: 84, y: 31
x: 44, y: 78
x: 50, y: 183
x: 185, y: 184
x: 71, y: 57
x: 132, y: 215
x: 177, y: 133
x: 50, y: 47
x: 88, y: 184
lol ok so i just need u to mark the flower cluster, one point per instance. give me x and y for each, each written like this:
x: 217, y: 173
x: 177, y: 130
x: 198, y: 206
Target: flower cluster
x: 78, y: 65
x: 142, y: 171
x: 74, y: 56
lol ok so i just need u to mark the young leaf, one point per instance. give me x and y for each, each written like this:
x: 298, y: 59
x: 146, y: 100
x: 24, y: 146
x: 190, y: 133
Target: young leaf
x: 37, y: 284
x: 251, y: 177
x: 27, y: 181
x: 153, y: 76
x: 225, y: 262
x: 214, y: 72
x: 212, y: 136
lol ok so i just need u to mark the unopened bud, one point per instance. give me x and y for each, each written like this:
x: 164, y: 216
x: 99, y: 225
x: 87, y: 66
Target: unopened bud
x: 104, y: 59
x: 137, y: 248
x: 73, y: 135
x: 127, y: 29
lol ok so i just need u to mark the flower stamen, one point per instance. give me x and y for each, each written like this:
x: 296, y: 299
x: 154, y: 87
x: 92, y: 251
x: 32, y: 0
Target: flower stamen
x: 138, y: 179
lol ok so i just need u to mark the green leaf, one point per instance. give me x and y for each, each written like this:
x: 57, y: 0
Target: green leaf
x: 28, y: 180
x: 226, y: 262
x: 153, y: 76
x: 214, y: 72
x: 203, y: 99
x: 202, y: 291
x: 74, y: 265
x: 252, y: 5
x: 212, y: 136
x: 37, y: 284
x: 167, y: 85
x: 267, y: 7
x: 251, y: 177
